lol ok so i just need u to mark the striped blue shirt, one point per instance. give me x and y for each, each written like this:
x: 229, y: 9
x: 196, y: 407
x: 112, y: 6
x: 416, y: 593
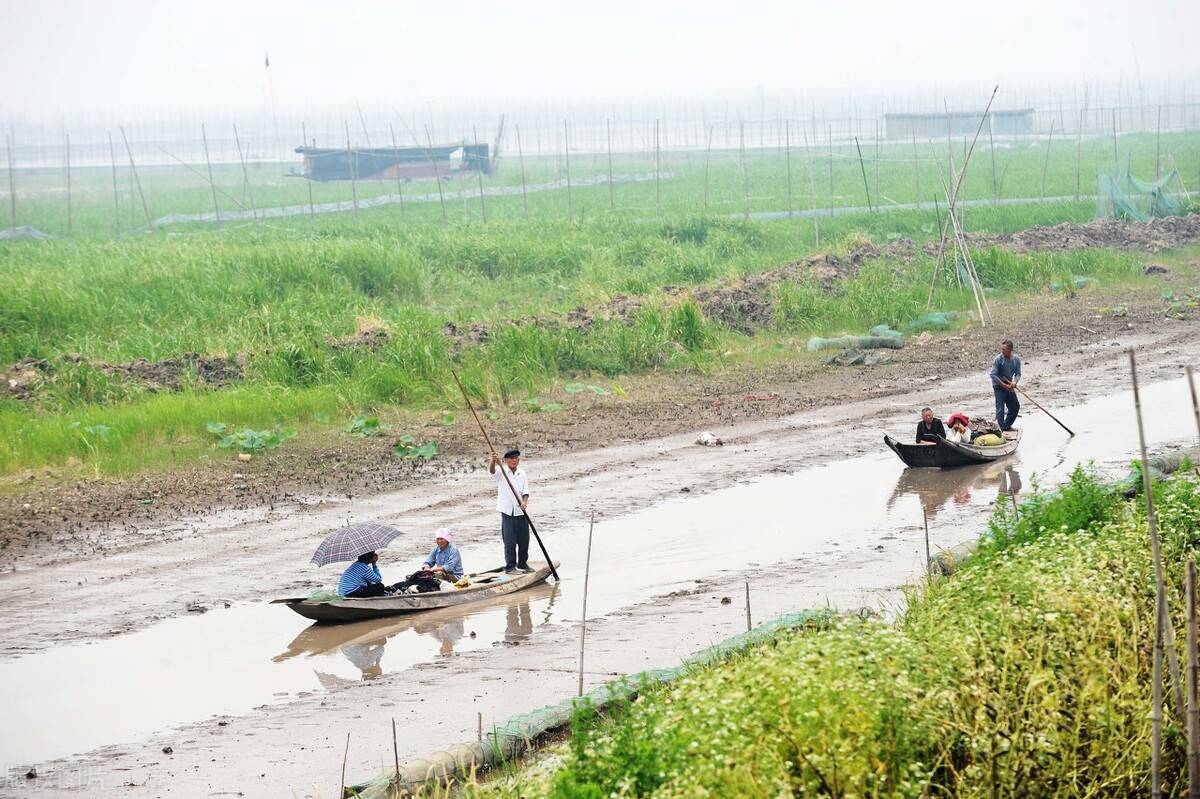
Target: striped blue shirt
x: 358, y: 575
x: 447, y: 558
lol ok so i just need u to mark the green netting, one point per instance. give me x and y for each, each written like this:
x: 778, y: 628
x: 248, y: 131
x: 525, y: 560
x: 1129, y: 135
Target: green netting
x: 1126, y: 197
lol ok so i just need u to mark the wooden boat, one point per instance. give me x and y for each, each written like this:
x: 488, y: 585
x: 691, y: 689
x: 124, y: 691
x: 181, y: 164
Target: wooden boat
x: 487, y: 585
x: 945, y: 454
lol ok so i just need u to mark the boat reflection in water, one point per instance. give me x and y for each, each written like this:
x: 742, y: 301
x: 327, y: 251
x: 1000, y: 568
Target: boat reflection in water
x: 507, y: 619
x: 935, y: 488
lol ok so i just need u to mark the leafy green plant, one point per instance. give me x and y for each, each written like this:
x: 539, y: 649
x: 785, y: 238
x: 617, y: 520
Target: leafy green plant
x: 366, y: 427
x: 407, y: 447
x: 579, y: 388
x: 535, y: 405
x: 243, y: 439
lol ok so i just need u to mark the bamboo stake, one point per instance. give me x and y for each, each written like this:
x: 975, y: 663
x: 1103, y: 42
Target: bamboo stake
x: 1158, y: 147
x: 352, y: 164
x: 567, y: 164
x: 612, y: 205
x: 345, y: 757
x: 812, y: 186
x: 916, y: 162
x: 247, y: 192
x: 878, y: 191
x: 438, y: 178
x: 70, y: 219
x: 1156, y: 550
x: 202, y: 176
x: 742, y: 160
x: 787, y: 149
x: 657, y: 184
x: 1046, y: 162
x: 1193, y: 706
x: 707, y: 159
x: 211, y: 185
x: 395, y: 750
x: 521, y: 160
x: 1156, y: 703
x: 479, y: 726
x: 863, y: 167
x: 1195, y: 403
x: 12, y: 179
x: 479, y: 175
x: 829, y: 130
x: 112, y: 156
x: 992, y: 152
x: 928, y: 555
x: 137, y: 180
x: 953, y: 224
x: 1116, y: 159
x: 587, y: 568
x: 399, y: 183
x: 749, y: 625
x: 312, y: 213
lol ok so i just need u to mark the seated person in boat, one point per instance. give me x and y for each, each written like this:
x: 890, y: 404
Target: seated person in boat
x: 930, y: 428
x: 362, y: 578
x: 445, y: 560
x: 960, y: 429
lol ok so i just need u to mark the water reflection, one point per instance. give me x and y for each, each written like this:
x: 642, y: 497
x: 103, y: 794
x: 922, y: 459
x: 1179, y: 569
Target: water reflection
x: 936, y: 488
x: 364, y: 643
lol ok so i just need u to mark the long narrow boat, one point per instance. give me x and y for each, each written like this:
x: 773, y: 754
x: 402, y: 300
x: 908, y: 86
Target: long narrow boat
x: 945, y: 454
x: 488, y: 586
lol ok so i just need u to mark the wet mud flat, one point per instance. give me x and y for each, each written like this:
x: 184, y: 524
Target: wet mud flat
x: 809, y: 508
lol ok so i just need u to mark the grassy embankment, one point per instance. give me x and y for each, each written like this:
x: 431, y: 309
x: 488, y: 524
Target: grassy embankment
x: 279, y: 294
x: 1026, y: 674
x: 283, y: 303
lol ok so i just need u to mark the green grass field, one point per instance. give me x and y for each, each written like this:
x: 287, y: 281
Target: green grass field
x: 278, y: 297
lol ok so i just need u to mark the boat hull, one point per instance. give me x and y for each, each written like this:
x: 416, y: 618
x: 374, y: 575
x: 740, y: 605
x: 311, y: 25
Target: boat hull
x: 346, y: 610
x: 944, y: 454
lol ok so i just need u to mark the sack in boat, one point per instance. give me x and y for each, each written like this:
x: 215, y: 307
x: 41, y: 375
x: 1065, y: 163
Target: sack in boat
x: 988, y: 440
x: 463, y: 582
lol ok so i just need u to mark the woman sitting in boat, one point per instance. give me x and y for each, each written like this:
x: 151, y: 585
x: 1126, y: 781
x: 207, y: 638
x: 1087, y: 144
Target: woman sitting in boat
x: 960, y: 429
x: 445, y: 561
x: 362, y: 578
x: 930, y: 428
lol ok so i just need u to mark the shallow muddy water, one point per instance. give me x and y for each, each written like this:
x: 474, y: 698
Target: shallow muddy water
x: 231, y: 660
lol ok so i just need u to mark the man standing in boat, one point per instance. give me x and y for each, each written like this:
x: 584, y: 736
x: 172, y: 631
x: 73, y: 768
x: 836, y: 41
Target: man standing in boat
x: 1006, y: 372
x: 514, y: 525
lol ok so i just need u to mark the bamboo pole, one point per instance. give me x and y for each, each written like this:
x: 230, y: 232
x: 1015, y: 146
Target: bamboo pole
x: 707, y: 159
x: 1193, y: 705
x: 749, y: 624
x: 70, y: 218
x: 352, y: 164
x: 928, y: 555
x: 1046, y: 162
x: 863, y: 167
x: 345, y: 757
x: 742, y: 161
x: 479, y: 176
x: 12, y: 180
x: 916, y: 162
x: 395, y: 749
x: 312, y: 212
x: 112, y: 157
x: 399, y: 182
x: 878, y: 191
x: 1156, y: 703
x: 567, y: 164
x: 436, y: 177
x: 787, y: 149
x: 211, y: 185
x: 587, y: 569
x: 1158, y: 146
x: 657, y: 185
x: 247, y: 192
x: 829, y: 129
x: 137, y: 180
x: 612, y: 204
x: 202, y: 176
x: 1156, y: 550
x: 521, y: 161
x: 1195, y: 402
x: 1116, y: 159
x: 812, y: 187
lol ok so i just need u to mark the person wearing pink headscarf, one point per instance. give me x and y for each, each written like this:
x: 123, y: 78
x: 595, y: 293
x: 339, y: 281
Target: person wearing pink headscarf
x: 444, y: 560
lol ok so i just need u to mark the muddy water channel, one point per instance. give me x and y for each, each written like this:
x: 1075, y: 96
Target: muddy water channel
x: 229, y: 661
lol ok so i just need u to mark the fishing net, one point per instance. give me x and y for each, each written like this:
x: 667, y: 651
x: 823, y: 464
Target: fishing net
x: 1126, y: 197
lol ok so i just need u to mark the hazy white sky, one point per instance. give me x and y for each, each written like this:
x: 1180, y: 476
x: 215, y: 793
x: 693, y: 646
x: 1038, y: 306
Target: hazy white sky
x: 59, y: 58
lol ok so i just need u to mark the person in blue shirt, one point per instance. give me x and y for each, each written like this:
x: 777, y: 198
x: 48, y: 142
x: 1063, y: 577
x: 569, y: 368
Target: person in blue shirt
x: 362, y: 578
x: 444, y: 560
x: 1006, y: 372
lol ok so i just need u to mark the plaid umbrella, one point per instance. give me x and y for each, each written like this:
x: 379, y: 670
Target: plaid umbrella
x: 347, y: 543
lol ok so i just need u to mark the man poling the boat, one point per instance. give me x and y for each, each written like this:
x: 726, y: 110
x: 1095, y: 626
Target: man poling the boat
x: 514, y: 525
x: 1005, y: 374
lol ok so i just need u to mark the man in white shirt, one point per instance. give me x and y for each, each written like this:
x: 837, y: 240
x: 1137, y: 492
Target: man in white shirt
x: 514, y: 525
